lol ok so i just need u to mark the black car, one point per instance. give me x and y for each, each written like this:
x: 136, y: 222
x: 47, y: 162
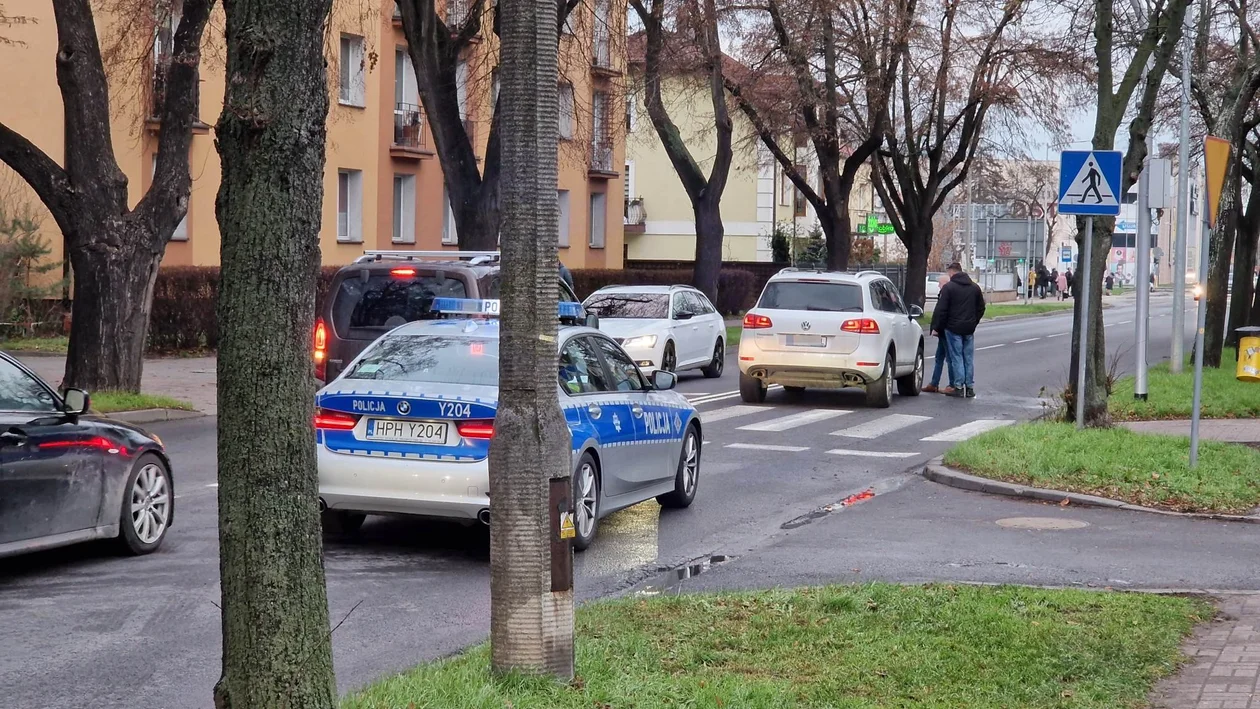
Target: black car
x: 384, y: 289
x: 67, y: 476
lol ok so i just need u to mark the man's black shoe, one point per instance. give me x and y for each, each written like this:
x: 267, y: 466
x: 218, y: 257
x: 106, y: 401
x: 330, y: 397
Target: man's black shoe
x: 958, y: 393
x: 971, y: 392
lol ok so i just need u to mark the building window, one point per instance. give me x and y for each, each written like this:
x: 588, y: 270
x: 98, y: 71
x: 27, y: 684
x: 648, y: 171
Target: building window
x: 785, y: 188
x: 450, y: 234
x: 798, y: 197
x: 599, y: 217
x: 461, y: 87
x: 601, y: 134
x: 567, y: 111
x: 405, y: 90
x: 353, y: 84
x: 632, y: 110
x: 494, y: 88
x: 629, y: 181
x: 168, y: 17
x: 562, y: 197
x: 404, y: 209
x: 181, y: 229
x: 350, y: 205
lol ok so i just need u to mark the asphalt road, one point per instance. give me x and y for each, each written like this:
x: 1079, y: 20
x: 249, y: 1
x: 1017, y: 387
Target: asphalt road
x: 80, y: 627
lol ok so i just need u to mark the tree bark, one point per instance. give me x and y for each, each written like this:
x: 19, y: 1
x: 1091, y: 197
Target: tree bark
x: 531, y: 621
x: 1096, y: 390
x: 1245, y: 247
x: 277, y: 649
x: 917, y: 250
x: 1220, y: 253
x: 709, y: 235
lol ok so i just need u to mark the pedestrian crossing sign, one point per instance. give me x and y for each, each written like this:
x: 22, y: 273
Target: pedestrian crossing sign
x: 1089, y: 182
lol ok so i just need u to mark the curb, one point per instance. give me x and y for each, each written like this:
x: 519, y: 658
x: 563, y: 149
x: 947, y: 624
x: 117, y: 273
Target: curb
x: 19, y: 354
x: 936, y: 471
x: 152, y: 415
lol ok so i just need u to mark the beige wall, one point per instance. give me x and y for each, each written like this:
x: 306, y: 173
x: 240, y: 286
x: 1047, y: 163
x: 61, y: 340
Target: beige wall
x: 358, y: 137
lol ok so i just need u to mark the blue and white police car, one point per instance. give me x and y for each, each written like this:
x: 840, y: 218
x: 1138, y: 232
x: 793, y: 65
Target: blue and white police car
x: 407, y: 427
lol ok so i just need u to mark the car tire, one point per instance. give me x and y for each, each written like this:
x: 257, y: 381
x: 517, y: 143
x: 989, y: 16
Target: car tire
x: 912, y: 383
x: 341, y: 522
x: 586, y: 491
x: 751, y: 390
x: 148, y: 499
x: 718, y: 363
x: 669, y: 359
x: 879, y: 391
x: 687, y: 479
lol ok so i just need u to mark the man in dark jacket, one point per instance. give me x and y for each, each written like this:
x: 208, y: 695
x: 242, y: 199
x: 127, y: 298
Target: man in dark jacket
x: 959, y: 308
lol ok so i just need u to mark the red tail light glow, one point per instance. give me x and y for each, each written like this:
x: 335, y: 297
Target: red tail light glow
x: 476, y: 430
x: 98, y: 442
x: 402, y: 272
x: 754, y: 321
x: 334, y: 420
x: 862, y: 326
x: 321, y: 348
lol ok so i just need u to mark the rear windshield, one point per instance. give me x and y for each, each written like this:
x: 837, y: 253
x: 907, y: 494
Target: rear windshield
x: 427, y: 358
x: 795, y: 295
x: 629, y: 305
x: 385, y: 301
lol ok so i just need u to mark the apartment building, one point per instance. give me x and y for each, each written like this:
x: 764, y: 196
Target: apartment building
x: 383, y: 183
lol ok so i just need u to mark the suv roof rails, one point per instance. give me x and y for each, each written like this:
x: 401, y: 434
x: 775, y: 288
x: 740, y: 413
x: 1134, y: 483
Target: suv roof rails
x: 473, y: 257
x: 868, y: 272
x: 797, y: 269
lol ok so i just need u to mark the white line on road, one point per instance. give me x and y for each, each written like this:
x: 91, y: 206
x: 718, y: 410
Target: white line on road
x: 1031, y: 339
x: 990, y: 347
x: 1058, y: 334
x: 881, y: 426
x: 213, y: 485
x: 780, y: 449
x: 967, y: 430
x: 784, y: 423
x: 872, y: 454
x: 729, y: 412
x: 724, y: 395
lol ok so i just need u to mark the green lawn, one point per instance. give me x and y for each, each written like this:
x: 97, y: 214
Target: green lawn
x: 732, y: 335
x: 1139, y: 468
x: 113, y: 401
x: 994, y: 310
x: 1169, y: 395
x: 850, y: 647
x: 52, y: 345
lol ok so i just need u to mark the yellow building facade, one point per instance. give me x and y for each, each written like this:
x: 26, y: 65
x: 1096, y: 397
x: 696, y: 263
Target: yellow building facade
x: 383, y: 184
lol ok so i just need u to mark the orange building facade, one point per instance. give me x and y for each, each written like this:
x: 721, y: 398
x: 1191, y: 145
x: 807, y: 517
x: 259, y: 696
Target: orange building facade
x: 383, y: 183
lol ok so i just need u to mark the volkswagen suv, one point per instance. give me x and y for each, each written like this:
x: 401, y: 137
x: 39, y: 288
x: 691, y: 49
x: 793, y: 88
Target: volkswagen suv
x: 831, y: 330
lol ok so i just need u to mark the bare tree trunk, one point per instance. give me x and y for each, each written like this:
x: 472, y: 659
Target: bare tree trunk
x: 1245, y: 246
x: 277, y: 650
x: 918, y: 247
x: 709, y: 235
x: 1220, y: 253
x: 531, y: 615
x: 1096, y: 392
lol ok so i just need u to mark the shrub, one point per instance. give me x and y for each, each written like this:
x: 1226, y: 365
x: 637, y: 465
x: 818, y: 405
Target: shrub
x: 737, y: 289
x: 26, y: 282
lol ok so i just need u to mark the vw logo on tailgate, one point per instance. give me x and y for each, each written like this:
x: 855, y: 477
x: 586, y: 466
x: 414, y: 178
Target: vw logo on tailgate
x: 404, y: 408
x: 805, y: 325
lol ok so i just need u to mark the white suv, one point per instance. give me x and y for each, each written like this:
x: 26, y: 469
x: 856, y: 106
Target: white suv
x: 831, y: 330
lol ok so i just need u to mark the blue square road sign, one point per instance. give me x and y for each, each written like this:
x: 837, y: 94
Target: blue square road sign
x: 1089, y: 182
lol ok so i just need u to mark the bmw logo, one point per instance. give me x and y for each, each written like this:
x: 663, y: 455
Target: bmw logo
x: 404, y: 408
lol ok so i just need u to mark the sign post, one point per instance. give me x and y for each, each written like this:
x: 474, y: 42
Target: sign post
x: 1089, y: 185
x: 1215, y: 159
x: 1140, y: 319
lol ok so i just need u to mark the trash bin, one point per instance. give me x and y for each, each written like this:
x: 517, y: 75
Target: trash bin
x: 1249, y: 354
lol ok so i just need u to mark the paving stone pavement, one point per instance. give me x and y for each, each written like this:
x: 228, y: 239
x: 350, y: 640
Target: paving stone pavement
x: 1225, y: 670
x: 189, y: 378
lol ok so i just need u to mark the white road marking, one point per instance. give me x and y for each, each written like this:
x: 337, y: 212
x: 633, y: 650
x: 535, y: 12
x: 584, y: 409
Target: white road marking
x: 213, y: 485
x: 872, y: 454
x: 1125, y: 322
x: 967, y: 430
x: 696, y: 394
x: 990, y: 347
x: 881, y: 426
x: 1058, y: 334
x: 724, y: 395
x: 729, y: 412
x: 930, y: 357
x: 784, y: 423
x: 1031, y: 339
x: 781, y: 449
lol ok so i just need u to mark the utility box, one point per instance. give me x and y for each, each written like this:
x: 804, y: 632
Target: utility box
x: 1249, y: 354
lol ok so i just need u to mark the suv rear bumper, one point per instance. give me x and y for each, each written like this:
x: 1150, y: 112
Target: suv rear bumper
x: 811, y: 369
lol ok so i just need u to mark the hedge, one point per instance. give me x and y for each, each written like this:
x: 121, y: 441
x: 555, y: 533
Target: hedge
x: 737, y: 288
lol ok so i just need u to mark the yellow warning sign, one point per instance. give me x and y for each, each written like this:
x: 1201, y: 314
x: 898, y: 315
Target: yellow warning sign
x: 567, y: 530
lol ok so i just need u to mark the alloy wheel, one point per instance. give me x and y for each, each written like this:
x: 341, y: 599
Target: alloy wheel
x: 691, y: 464
x: 150, y: 504
x: 588, y: 500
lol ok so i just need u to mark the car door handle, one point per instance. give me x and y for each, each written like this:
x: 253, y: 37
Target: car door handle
x: 13, y: 438
x: 594, y: 411
x: 637, y: 411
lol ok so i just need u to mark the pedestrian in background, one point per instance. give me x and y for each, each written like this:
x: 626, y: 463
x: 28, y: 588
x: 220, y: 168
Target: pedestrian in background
x: 1109, y: 281
x: 942, y: 350
x: 1071, y: 284
x: 959, y: 308
x: 1062, y: 285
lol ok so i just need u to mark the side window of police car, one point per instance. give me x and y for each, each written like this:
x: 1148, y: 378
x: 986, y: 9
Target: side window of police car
x: 625, y: 376
x: 580, y: 369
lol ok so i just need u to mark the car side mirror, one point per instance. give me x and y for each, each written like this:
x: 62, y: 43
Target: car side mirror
x: 663, y: 381
x: 682, y: 316
x: 592, y: 321
x: 916, y: 312
x: 77, y: 402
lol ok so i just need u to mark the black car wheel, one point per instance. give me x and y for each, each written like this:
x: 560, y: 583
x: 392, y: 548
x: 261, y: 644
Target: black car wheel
x: 585, y: 502
x: 341, y: 521
x: 879, y: 392
x: 751, y: 390
x: 147, y: 505
x: 718, y: 363
x: 669, y: 360
x: 912, y: 383
x: 688, y: 476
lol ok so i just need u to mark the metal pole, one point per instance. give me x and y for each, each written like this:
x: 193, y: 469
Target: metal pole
x: 1084, y: 273
x: 1140, y: 319
x: 1198, y: 344
x: 1176, y: 364
x: 971, y: 232
x: 1028, y: 259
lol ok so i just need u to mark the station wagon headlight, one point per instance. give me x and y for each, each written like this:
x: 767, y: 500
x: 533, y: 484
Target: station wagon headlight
x: 648, y: 341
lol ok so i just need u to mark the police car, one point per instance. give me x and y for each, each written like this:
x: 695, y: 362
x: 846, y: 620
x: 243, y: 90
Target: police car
x: 407, y: 426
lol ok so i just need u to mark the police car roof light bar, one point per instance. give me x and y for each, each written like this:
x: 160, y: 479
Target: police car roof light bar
x: 567, y: 310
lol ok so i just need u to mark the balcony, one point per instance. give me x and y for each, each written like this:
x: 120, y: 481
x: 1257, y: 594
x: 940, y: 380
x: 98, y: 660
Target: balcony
x: 601, y: 55
x: 409, y: 139
x: 635, y: 216
x: 456, y: 13
x: 602, y: 158
x: 157, y: 96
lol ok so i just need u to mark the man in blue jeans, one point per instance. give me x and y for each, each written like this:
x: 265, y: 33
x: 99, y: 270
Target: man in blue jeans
x: 942, y: 352
x: 959, y: 308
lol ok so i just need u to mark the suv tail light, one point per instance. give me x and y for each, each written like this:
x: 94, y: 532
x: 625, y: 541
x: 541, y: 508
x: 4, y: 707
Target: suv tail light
x: 334, y: 420
x: 477, y: 430
x: 862, y: 326
x: 321, y: 348
x: 754, y: 321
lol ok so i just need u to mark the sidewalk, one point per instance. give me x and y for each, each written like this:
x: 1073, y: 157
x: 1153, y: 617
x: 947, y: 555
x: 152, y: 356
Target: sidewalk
x: 191, y: 379
x: 1228, y: 430
x: 1225, y: 671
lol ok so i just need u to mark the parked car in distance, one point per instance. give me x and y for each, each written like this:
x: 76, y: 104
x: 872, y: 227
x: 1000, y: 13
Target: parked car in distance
x: 934, y: 285
x: 67, y: 476
x: 831, y: 330
x: 384, y: 289
x: 663, y: 327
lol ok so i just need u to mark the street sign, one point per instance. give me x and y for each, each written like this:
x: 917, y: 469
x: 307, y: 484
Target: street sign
x: 1065, y: 254
x: 1215, y: 159
x: 1089, y: 182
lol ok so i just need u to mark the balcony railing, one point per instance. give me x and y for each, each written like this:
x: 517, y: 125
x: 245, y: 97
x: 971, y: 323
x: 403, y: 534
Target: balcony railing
x: 602, y: 55
x: 157, y: 97
x: 408, y: 126
x: 456, y: 12
x: 635, y: 218
x: 602, y: 154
